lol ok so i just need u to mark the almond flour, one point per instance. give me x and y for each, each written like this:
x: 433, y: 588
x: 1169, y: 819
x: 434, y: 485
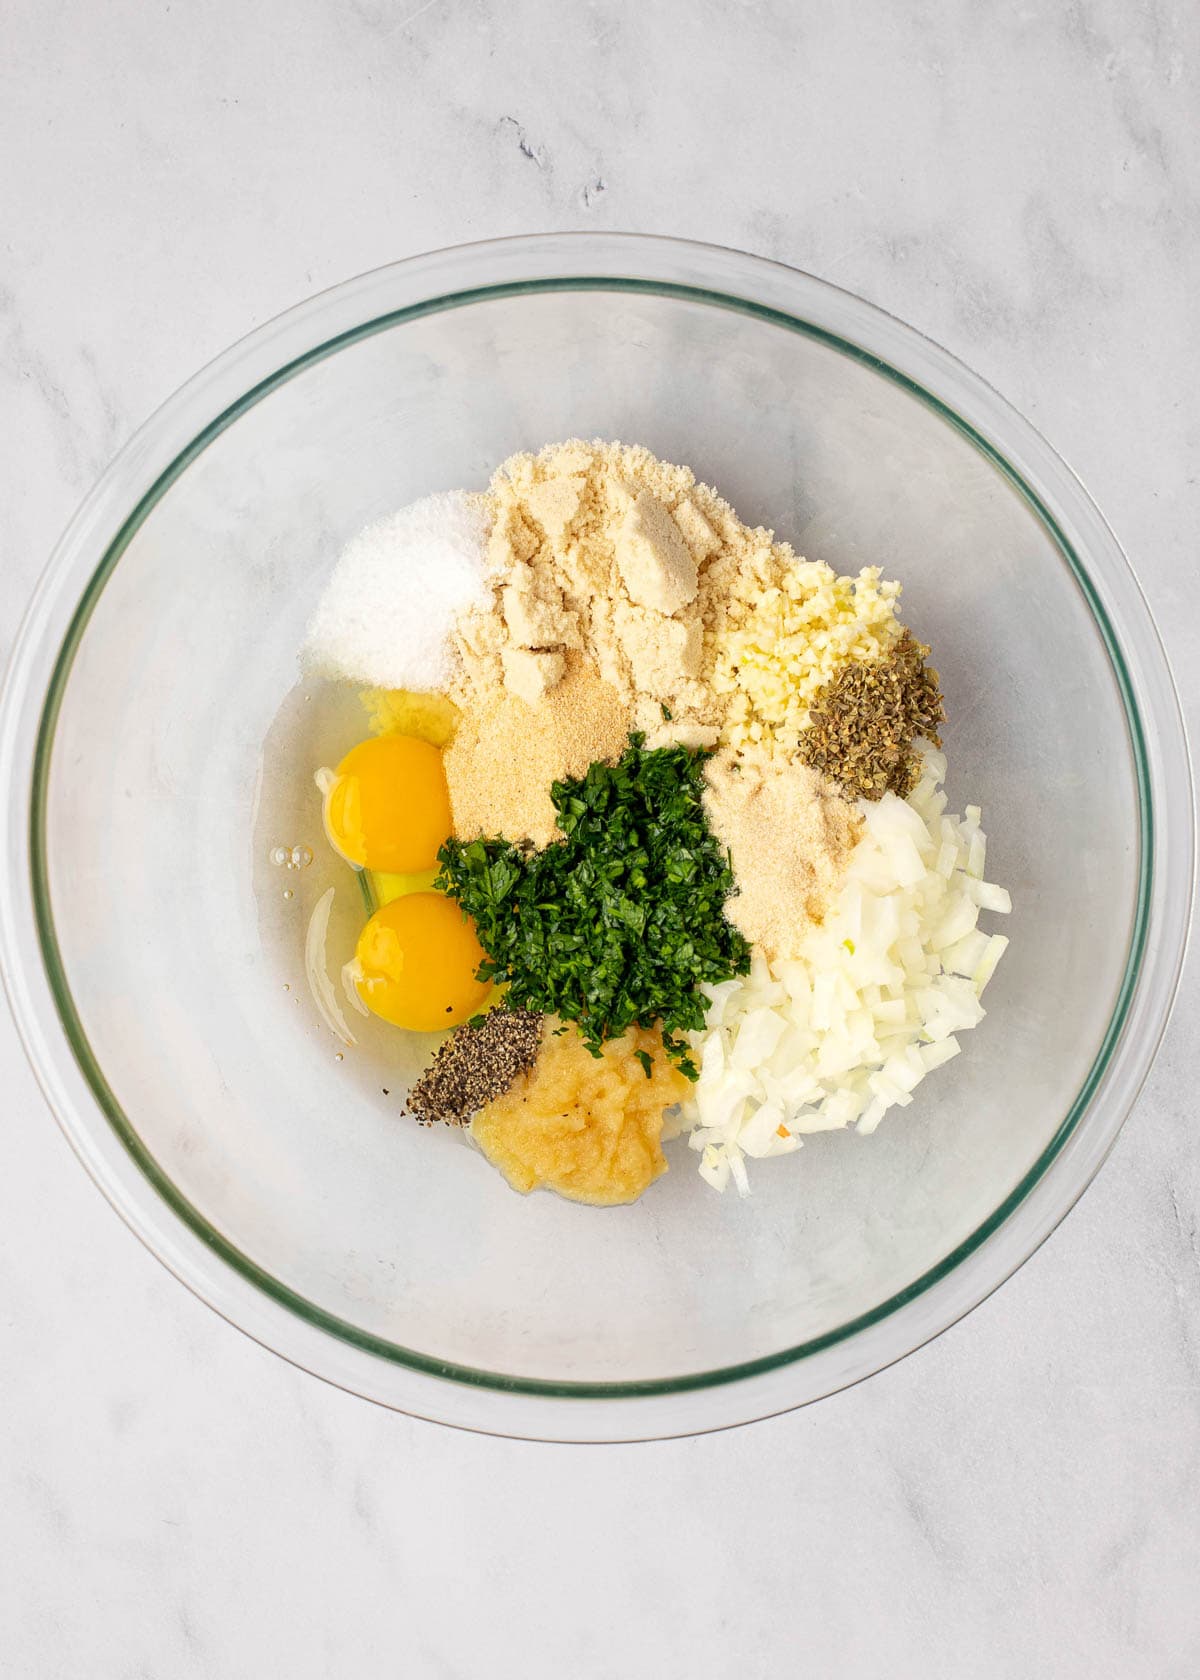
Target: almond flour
x: 601, y: 548
x: 704, y: 627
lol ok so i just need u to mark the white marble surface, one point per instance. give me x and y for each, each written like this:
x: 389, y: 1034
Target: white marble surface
x: 1021, y: 1497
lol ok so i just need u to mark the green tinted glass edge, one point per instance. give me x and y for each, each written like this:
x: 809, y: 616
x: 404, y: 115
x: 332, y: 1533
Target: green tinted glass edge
x: 195, y: 1221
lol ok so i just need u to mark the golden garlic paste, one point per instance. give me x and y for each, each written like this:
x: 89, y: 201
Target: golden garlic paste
x: 587, y: 1127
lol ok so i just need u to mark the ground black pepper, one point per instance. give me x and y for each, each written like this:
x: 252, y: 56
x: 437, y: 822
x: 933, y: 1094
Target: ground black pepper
x: 479, y: 1061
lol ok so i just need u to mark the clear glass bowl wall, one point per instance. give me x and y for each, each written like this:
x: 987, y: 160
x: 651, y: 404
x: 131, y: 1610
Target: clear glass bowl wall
x: 178, y: 751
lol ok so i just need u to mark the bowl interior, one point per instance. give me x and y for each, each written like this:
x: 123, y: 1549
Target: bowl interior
x: 183, y: 752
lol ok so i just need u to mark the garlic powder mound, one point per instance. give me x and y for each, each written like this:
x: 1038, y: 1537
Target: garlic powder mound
x: 789, y: 836
x: 507, y: 753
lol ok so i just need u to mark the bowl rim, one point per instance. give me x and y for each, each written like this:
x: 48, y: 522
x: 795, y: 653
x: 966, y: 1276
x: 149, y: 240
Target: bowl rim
x: 35, y: 975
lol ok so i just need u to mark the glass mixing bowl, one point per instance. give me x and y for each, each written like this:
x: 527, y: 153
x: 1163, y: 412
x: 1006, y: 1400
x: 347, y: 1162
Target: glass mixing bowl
x: 155, y: 749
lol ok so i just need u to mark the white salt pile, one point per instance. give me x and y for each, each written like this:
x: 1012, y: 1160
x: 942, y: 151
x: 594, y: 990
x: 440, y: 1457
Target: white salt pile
x: 389, y: 607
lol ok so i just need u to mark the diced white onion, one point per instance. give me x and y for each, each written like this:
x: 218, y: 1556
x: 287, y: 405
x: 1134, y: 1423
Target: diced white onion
x: 757, y: 1038
x: 760, y: 1131
x: 997, y: 945
x: 966, y: 954
x: 848, y: 1027
x: 977, y: 855
x: 935, y: 1055
x: 989, y: 897
x: 714, y: 1168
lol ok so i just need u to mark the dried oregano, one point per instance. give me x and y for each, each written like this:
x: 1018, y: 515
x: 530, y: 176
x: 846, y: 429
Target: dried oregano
x: 862, y: 724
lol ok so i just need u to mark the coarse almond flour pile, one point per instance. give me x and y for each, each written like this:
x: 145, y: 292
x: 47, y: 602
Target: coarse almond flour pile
x: 604, y: 550
x: 686, y: 611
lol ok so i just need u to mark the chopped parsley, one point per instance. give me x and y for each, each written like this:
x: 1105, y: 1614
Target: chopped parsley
x: 622, y: 921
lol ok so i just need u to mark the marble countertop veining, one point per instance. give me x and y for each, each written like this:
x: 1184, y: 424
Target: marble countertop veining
x: 1019, y: 1498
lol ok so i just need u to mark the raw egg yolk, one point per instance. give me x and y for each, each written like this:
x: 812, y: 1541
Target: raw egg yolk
x: 387, y: 806
x: 417, y: 961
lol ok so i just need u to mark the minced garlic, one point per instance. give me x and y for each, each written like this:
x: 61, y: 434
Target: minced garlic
x: 778, y: 651
x: 589, y: 1127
